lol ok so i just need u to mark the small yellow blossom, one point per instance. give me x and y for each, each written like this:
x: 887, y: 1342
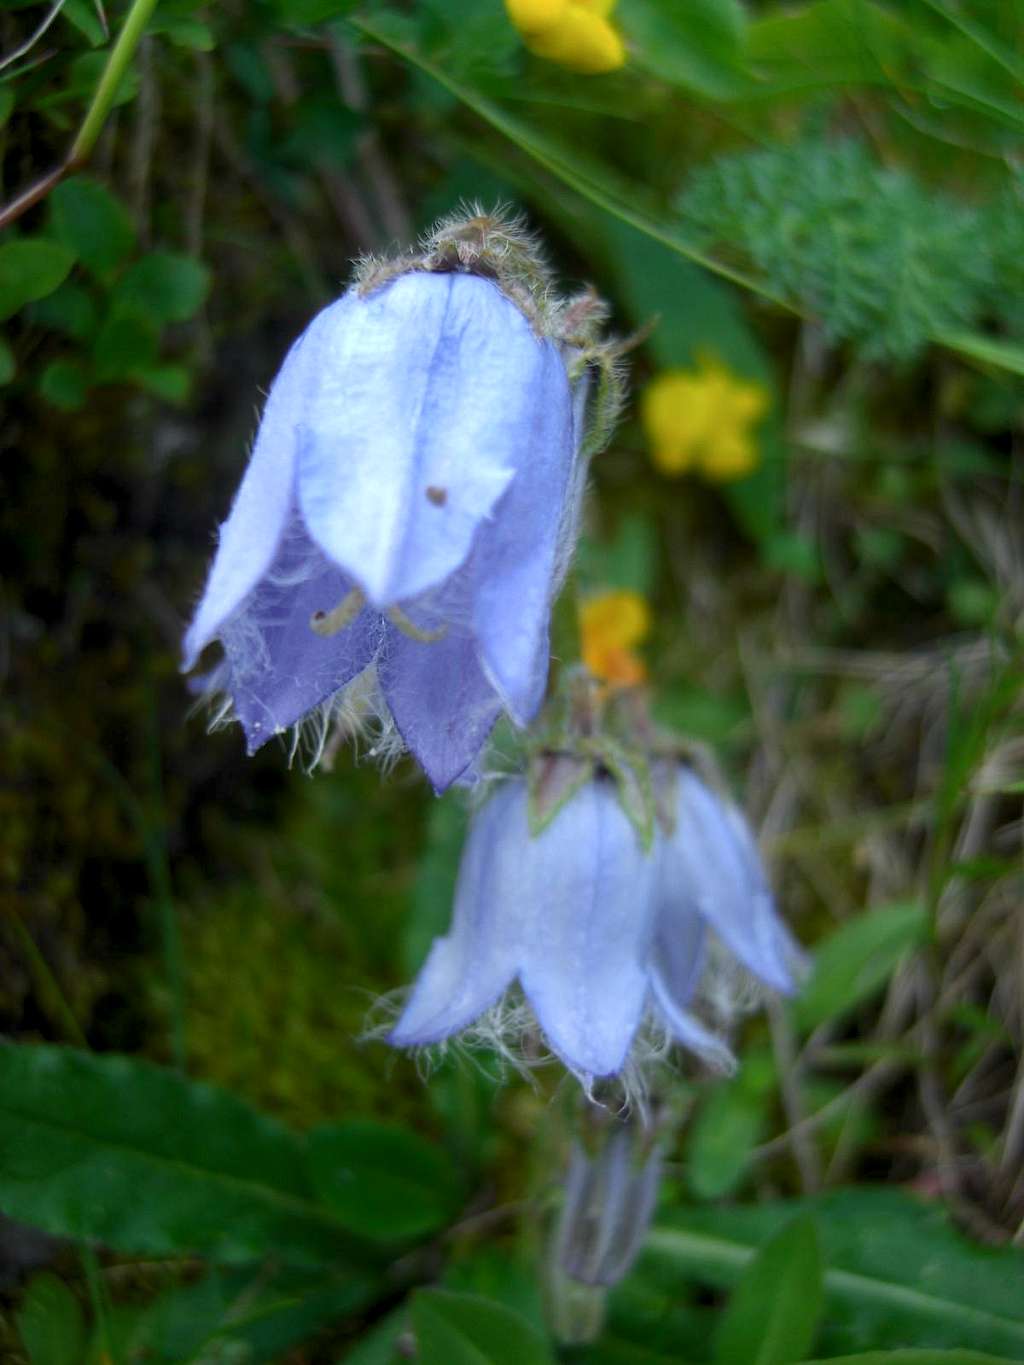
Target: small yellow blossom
x: 702, y: 419
x: 611, y: 624
x: 575, y: 33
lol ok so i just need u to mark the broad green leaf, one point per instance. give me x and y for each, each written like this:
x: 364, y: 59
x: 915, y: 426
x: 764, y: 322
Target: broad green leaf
x: 92, y: 223
x: 896, y: 1270
x: 988, y: 351
x: 30, y: 268
x: 69, y: 310
x: 124, y: 1153
x: 772, y: 1317
x: 694, y: 44
x: 8, y: 366
x: 83, y: 15
x: 64, y: 384
x: 726, y: 1131
x: 172, y: 383
x: 913, y: 1356
x: 164, y: 286
x: 856, y: 960
x: 829, y: 42
x: 462, y: 1329
x: 124, y: 346
x: 50, y: 1323
x: 626, y: 561
x: 381, y: 1180
x: 380, y: 1345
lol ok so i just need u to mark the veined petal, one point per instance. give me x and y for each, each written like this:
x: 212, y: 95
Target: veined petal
x: 516, y: 560
x: 585, y: 964
x: 250, y: 536
x: 713, y: 854
x: 467, y: 970
x: 441, y: 702
x: 279, y: 669
x: 424, y: 408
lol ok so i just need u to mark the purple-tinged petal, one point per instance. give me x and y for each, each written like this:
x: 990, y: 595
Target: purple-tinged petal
x: 250, y: 536
x: 278, y: 668
x: 441, y: 702
x: 688, y: 1029
x: 422, y: 413
x: 585, y: 969
x: 517, y: 557
x: 715, y: 864
x: 467, y: 970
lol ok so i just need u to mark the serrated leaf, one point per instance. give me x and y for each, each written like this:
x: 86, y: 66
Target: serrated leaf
x: 50, y: 1323
x: 856, y: 960
x: 896, y: 1270
x: 30, y: 268
x: 91, y: 222
x: 772, y: 1317
x: 81, y: 1136
x: 462, y: 1329
x: 381, y: 1180
x: 164, y: 286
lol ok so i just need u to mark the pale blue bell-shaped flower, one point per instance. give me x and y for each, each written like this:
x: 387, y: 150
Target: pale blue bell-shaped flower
x: 711, y: 881
x: 567, y: 913
x: 602, y: 936
x: 407, y: 505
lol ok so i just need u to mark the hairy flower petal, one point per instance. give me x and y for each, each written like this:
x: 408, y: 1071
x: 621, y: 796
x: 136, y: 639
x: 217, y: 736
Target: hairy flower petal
x: 279, y: 669
x: 250, y: 536
x: 443, y: 705
x: 421, y: 416
x: 587, y: 886
x: 515, y: 567
x: 467, y: 970
x: 713, y: 856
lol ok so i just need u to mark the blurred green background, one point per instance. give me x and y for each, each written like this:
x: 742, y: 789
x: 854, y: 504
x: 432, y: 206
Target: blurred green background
x: 818, y: 204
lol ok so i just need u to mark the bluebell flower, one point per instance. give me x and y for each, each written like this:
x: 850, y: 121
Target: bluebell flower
x: 409, y: 508
x: 607, y: 941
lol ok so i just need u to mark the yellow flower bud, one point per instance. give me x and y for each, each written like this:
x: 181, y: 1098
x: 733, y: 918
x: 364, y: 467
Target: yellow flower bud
x: 574, y: 33
x: 611, y: 623
x: 534, y: 16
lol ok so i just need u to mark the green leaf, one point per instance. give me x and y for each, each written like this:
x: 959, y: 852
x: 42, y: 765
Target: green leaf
x: 92, y: 223
x: 694, y: 44
x: 162, y: 287
x: 916, y: 1357
x: 726, y: 1131
x: 122, y: 1152
x: 8, y: 365
x: 831, y: 42
x: 82, y: 15
x: 896, y: 1270
x: 69, y: 310
x: 462, y: 1329
x: 30, y: 268
x: 382, y: 1181
x: 124, y: 346
x: 50, y: 1323
x: 64, y: 384
x: 772, y: 1317
x: 987, y: 351
x: 172, y: 383
x: 857, y: 959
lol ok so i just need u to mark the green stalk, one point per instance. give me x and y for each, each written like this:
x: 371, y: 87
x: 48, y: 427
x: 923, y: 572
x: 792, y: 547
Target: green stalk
x: 117, y: 63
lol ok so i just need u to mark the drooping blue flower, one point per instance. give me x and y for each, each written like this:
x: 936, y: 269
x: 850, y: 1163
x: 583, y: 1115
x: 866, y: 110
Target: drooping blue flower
x: 566, y: 913
x: 602, y: 936
x: 408, y: 506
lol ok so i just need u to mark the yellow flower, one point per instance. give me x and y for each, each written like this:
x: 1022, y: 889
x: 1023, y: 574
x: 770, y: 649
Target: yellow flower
x: 574, y: 33
x: 611, y: 623
x: 702, y: 419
